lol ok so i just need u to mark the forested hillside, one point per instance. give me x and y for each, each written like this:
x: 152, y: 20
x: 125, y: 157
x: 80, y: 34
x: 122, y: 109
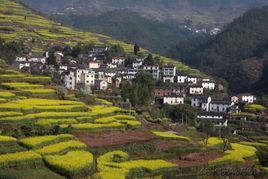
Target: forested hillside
x: 199, y: 12
x: 238, y: 54
x: 130, y: 26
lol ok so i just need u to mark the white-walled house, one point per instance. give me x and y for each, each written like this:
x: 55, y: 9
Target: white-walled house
x: 20, y: 59
x: 201, y: 102
x: 24, y: 65
x: 168, y: 79
x: 169, y: 70
x: 192, y: 80
x: 88, y: 79
x: 79, y: 73
x: 181, y: 78
x: 93, y: 64
x: 220, y: 106
x: 101, y: 85
x: 37, y: 60
x: 136, y: 64
x: 208, y: 85
x: 246, y: 98
x: 196, y: 90
x: 153, y: 69
x: 234, y: 99
x: 173, y: 100
x: 119, y: 60
x: 69, y: 80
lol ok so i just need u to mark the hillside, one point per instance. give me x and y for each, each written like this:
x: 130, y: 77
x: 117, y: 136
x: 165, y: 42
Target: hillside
x: 238, y: 54
x: 21, y: 24
x: 206, y: 13
x: 154, y: 35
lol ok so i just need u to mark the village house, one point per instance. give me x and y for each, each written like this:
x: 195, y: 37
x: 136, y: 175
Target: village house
x: 37, y: 60
x: 217, y: 119
x: 22, y: 64
x: 58, y: 57
x: 220, y: 106
x: 246, y: 98
x: 173, y: 100
x: 153, y: 69
x: 69, y: 80
x: 208, y: 84
x: 119, y: 60
x: 101, y: 85
x: 136, y: 64
x: 93, y: 64
x: 169, y: 70
x: 78, y: 74
x: 210, y: 115
x: 98, y: 50
x: 201, y: 102
x: 62, y: 68
x: 88, y: 79
x: 111, y: 65
x: 20, y: 59
x: 196, y: 90
x: 192, y: 80
x: 181, y: 79
x: 168, y: 79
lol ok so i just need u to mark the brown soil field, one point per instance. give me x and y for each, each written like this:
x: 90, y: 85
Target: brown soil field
x: 113, y: 138
x: 196, y: 159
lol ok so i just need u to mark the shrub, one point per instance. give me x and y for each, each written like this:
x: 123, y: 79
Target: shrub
x: 62, y: 147
x: 72, y: 164
x: 19, y: 158
x: 170, y: 135
x: 37, y: 142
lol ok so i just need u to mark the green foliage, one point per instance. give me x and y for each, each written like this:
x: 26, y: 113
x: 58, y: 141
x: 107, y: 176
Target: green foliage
x: 9, y: 50
x: 236, y: 53
x: 262, y: 153
x: 181, y: 113
x: 139, y: 92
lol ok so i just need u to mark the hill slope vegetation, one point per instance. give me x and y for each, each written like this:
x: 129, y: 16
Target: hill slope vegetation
x: 238, y: 54
x: 37, y: 33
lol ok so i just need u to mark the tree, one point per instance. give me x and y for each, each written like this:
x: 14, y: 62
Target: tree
x: 224, y: 135
x: 149, y: 60
x: 115, y: 50
x: 182, y: 113
x: 136, y: 49
x: 208, y: 128
x: 61, y: 92
x: 262, y: 154
x: 139, y: 92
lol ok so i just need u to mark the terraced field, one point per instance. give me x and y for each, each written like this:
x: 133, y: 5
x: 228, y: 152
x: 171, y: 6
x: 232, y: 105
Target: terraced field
x: 20, y: 23
x: 99, y: 141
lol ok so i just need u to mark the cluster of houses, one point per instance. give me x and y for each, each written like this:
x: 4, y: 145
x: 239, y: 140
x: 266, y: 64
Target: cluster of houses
x: 215, y: 110
x: 91, y: 72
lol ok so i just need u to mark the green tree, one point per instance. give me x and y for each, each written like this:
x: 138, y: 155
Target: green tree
x: 136, y: 49
x: 262, y: 154
x: 139, y: 92
x: 149, y: 60
x: 183, y: 113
